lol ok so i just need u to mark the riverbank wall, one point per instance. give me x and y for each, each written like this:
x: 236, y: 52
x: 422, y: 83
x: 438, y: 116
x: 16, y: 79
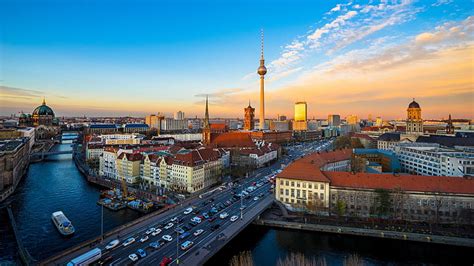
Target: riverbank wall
x: 343, y: 230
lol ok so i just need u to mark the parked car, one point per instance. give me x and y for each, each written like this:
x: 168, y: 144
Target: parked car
x: 179, y: 230
x: 143, y: 239
x: 234, y: 218
x: 187, y: 244
x: 188, y: 210
x: 198, y: 232
x: 184, y: 235
x: 155, y: 244
x: 149, y: 231
x: 165, y: 261
x: 223, y: 215
x: 168, y: 226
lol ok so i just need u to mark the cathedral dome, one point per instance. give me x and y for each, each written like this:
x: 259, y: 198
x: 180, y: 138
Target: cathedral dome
x: 413, y: 105
x: 43, y: 110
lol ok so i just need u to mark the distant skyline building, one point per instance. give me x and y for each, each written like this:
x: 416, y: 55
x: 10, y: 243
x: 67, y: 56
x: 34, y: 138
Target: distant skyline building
x: 154, y: 121
x: 301, y: 116
x: 179, y: 115
x: 262, y: 70
x: 378, y: 121
x: 352, y: 120
x: 414, y: 121
x: 334, y: 120
x: 281, y: 118
x: 249, y: 123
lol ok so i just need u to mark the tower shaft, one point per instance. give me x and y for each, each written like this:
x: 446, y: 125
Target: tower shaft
x: 262, y: 102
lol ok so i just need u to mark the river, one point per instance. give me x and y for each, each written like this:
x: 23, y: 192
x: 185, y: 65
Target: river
x: 54, y: 185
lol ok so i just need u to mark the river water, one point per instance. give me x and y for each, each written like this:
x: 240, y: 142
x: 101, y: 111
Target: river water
x: 56, y: 184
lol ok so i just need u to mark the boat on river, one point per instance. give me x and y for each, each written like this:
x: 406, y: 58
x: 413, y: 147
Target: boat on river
x: 62, y: 223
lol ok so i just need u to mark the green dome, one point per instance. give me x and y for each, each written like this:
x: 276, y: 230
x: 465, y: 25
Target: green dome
x: 43, y: 110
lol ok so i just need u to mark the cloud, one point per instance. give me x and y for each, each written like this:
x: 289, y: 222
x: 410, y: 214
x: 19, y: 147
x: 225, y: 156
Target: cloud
x: 356, y: 23
x: 442, y: 2
x: 17, y: 93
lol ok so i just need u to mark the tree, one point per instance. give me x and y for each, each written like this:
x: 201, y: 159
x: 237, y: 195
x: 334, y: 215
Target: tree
x: 342, y: 142
x: 301, y: 260
x: 353, y: 260
x: 340, y: 207
x: 356, y: 144
x: 358, y: 164
x: 244, y: 258
x: 382, y: 202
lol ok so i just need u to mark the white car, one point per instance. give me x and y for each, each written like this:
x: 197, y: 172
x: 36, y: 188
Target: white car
x: 223, y: 215
x: 255, y: 199
x: 196, y: 219
x: 112, y: 244
x: 143, y: 239
x: 128, y: 241
x: 149, y: 231
x: 188, y: 210
x: 167, y: 238
x: 157, y: 231
x: 198, y: 232
x: 168, y: 226
x: 133, y: 257
x: 234, y: 218
x: 174, y: 220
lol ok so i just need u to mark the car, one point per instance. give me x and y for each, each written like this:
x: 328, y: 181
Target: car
x: 243, y: 207
x: 179, y: 230
x: 205, y: 215
x: 198, y: 232
x: 223, y: 215
x: 167, y: 238
x: 133, y: 257
x: 215, y: 227
x: 196, y: 219
x: 188, y: 210
x: 112, y: 244
x: 255, y: 198
x: 141, y: 252
x: 174, y: 220
x: 212, y: 219
x: 193, y: 223
x: 143, y: 239
x: 234, y: 218
x: 168, y: 226
x: 128, y: 241
x: 155, y: 244
x: 156, y: 232
x: 214, y: 210
x: 187, y: 244
x: 196, y: 211
x: 149, y: 231
x: 105, y: 260
x: 185, y: 228
x: 165, y: 261
x: 259, y: 184
x: 184, y: 235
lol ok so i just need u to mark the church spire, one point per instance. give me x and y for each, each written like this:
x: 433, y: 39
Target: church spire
x: 44, y: 100
x: 206, y: 116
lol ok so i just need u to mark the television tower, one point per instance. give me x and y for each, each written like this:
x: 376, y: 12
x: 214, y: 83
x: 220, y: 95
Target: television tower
x: 262, y: 70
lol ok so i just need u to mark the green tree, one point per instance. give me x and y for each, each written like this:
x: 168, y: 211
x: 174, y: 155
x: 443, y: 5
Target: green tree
x: 342, y: 142
x: 356, y: 144
x: 382, y: 201
x: 340, y: 208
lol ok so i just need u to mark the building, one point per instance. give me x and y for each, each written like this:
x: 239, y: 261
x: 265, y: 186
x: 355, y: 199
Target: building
x: 169, y: 124
x: 449, y: 126
x: 378, y: 121
x: 154, y: 121
x: 300, y: 123
x: 135, y: 128
x: 101, y: 129
x: 127, y: 166
x: 279, y: 125
x: 43, y: 115
x: 387, y: 141
x: 414, y: 123
x: 14, y: 160
x: 341, y: 192
x: 249, y: 123
x: 352, y: 120
x: 431, y: 159
x: 460, y: 140
x: 387, y: 161
x: 262, y: 70
x: 334, y: 120
x: 179, y: 115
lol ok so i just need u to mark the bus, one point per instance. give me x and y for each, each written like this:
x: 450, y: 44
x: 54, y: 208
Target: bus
x: 86, y: 258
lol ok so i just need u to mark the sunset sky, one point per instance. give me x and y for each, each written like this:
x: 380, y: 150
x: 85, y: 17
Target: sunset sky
x: 107, y: 57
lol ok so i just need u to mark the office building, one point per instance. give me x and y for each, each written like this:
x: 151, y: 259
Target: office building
x: 300, y: 122
x: 179, y: 115
x: 334, y: 120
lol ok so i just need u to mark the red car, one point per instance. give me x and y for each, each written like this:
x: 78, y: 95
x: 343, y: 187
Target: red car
x: 165, y: 261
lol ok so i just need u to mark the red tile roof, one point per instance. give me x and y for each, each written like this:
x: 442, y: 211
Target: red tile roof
x: 444, y: 184
x: 131, y: 156
x: 308, y: 167
x: 233, y: 139
x: 197, y: 157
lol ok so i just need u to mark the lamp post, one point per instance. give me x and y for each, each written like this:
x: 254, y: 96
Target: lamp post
x: 102, y: 222
x: 177, y: 242
x: 241, y: 204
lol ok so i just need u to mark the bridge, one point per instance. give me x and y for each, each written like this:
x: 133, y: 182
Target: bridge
x: 47, y: 153
x: 217, y: 231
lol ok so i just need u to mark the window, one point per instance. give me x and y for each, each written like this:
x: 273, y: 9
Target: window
x: 310, y: 186
x: 292, y: 183
x: 286, y: 192
x: 281, y: 191
x: 321, y: 196
x: 297, y: 184
x: 281, y: 182
x: 287, y: 183
x: 321, y: 186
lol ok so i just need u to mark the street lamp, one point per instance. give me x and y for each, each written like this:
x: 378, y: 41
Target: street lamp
x: 177, y: 242
x: 102, y: 222
x: 241, y: 204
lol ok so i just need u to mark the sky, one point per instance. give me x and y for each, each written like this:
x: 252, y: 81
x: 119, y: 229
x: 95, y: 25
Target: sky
x: 115, y: 57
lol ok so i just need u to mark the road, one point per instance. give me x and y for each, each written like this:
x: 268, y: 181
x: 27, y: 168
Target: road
x: 227, y: 200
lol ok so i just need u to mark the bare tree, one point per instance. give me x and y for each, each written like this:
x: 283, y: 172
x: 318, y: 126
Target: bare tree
x: 244, y: 258
x: 300, y: 259
x: 353, y: 260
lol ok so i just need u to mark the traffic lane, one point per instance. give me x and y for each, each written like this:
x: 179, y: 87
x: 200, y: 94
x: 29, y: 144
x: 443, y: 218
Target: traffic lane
x: 135, y: 246
x: 233, y: 209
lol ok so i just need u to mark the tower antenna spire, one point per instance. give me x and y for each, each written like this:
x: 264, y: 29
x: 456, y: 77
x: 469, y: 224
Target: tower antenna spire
x: 262, y: 43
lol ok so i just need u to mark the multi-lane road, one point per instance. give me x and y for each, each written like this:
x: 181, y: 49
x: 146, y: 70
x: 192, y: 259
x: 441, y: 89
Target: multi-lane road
x: 210, y: 210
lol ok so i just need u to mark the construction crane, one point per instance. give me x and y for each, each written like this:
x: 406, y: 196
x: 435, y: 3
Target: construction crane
x: 124, y: 188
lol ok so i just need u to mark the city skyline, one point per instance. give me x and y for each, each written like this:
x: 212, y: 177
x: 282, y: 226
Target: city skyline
x: 345, y: 58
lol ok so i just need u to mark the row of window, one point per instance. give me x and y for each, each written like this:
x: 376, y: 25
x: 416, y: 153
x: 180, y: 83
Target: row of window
x: 301, y: 184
